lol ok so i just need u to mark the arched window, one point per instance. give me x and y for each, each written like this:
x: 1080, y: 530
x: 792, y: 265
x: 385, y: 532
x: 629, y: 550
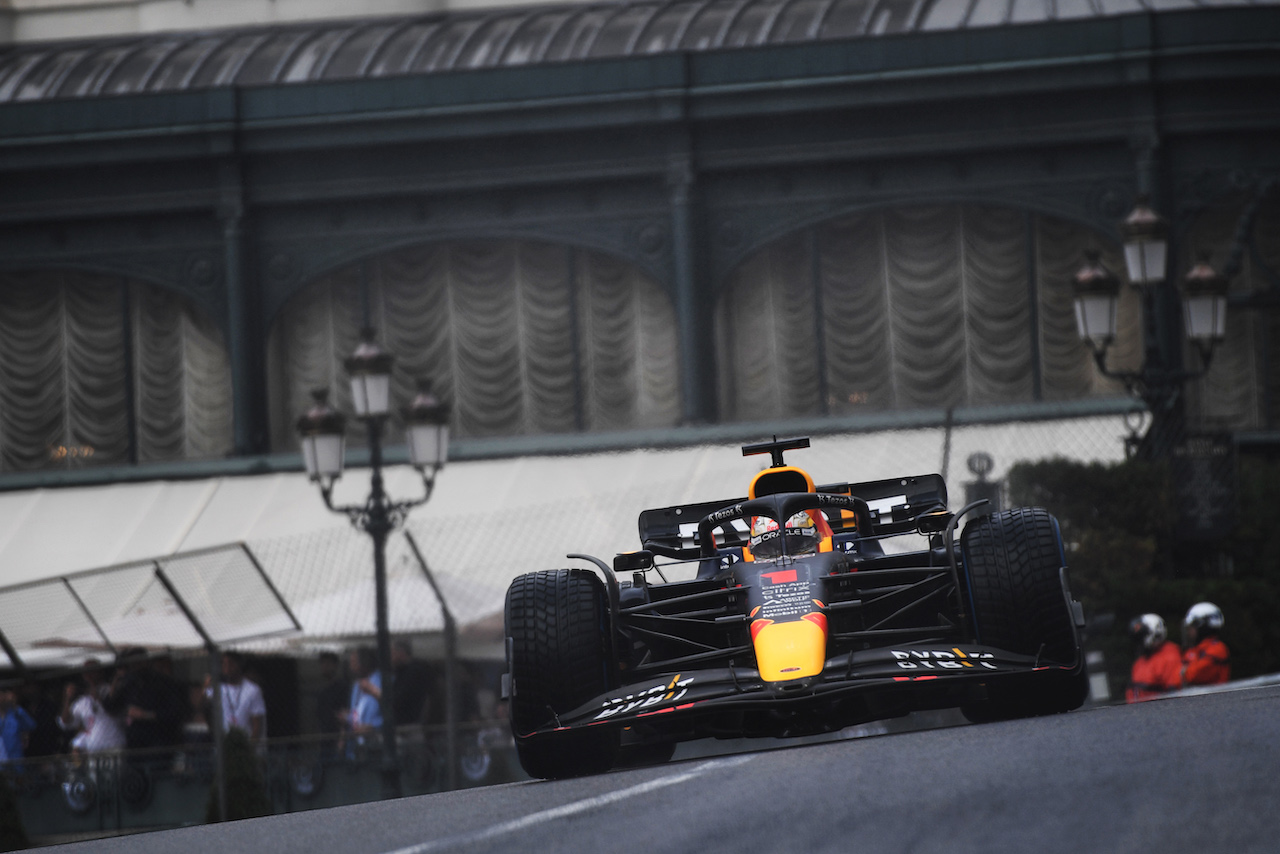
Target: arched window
x: 521, y: 337
x: 911, y: 308
x: 97, y: 370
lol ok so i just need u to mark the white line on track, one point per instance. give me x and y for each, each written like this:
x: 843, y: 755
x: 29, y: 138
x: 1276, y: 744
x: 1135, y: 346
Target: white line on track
x: 567, y: 810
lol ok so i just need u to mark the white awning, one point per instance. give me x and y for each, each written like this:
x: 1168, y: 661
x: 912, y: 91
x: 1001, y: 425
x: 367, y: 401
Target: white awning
x: 487, y: 522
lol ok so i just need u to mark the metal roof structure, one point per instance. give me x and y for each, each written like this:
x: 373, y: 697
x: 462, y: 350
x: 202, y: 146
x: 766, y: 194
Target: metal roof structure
x: 356, y: 49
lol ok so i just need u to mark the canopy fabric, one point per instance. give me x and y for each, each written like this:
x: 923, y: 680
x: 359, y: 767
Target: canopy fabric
x: 487, y: 522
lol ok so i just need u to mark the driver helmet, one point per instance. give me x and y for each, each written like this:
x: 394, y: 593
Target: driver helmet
x: 1202, y: 618
x: 1148, y: 631
x: 801, y: 534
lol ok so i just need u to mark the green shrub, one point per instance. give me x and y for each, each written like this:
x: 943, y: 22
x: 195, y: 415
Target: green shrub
x: 1119, y: 527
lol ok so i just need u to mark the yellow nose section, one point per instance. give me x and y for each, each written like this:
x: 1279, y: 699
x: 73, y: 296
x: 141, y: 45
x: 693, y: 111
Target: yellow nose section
x: 789, y: 650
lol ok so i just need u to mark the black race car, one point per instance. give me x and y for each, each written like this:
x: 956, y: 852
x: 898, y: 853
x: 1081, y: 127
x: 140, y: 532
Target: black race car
x: 799, y: 621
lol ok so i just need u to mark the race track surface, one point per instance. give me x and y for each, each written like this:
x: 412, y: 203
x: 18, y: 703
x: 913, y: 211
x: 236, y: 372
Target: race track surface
x: 1185, y: 774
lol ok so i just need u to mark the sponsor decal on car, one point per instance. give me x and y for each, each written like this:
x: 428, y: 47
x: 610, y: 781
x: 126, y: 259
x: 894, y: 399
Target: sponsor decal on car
x: 938, y: 659
x: 786, y: 598
x: 662, y: 693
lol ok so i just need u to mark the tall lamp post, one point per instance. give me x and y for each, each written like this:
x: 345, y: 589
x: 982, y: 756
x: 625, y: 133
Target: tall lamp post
x: 1160, y: 379
x: 322, y: 433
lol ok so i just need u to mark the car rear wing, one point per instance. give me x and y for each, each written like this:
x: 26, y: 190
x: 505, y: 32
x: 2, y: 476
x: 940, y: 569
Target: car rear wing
x: 896, y: 506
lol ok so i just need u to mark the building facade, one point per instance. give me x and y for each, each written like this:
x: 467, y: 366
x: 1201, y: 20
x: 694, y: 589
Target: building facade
x: 641, y: 216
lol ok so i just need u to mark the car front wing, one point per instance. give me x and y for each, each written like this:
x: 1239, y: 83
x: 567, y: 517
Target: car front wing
x: 725, y: 688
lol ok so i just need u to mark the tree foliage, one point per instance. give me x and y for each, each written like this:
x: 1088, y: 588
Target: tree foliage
x: 1120, y: 528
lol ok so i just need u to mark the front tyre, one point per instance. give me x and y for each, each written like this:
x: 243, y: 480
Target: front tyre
x: 557, y: 626
x: 1013, y: 561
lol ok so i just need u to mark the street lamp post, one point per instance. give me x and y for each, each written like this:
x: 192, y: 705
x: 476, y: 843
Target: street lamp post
x: 322, y: 434
x: 1160, y: 379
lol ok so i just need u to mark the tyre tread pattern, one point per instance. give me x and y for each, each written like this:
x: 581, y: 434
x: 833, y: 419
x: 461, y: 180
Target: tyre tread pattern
x: 1013, y: 558
x: 556, y: 620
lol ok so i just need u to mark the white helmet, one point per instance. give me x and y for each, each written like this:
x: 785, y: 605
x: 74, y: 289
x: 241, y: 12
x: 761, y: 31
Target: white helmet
x: 1204, y: 615
x: 1149, y: 630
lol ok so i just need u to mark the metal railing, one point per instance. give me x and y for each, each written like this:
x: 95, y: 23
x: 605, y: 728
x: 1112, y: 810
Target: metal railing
x: 68, y: 797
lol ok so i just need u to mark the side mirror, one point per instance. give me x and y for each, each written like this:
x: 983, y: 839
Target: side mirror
x: 633, y: 561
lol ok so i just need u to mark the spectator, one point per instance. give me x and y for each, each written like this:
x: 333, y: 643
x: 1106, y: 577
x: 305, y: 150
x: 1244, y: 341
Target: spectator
x: 177, y: 699
x: 1157, y: 663
x: 331, y: 699
x: 83, y: 716
x: 413, y: 685
x: 144, y: 702
x: 15, y: 727
x: 196, y: 732
x: 365, y: 706
x: 242, y: 704
x: 42, y: 703
x: 1207, y: 661
x: 95, y: 679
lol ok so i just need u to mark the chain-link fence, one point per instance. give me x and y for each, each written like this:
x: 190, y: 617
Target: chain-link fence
x: 295, y: 594
x: 307, y: 589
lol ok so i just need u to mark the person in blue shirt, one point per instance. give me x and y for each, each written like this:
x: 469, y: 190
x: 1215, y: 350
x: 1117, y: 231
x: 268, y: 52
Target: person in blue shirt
x: 15, y: 724
x: 365, y: 708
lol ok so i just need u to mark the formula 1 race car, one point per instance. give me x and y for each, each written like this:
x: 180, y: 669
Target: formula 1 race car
x: 798, y: 621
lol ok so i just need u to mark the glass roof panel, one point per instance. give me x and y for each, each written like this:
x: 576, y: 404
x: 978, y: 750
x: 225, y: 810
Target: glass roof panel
x: 42, y: 81
x: 176, y: 71
x: 1029, y: 11
x: 352, y: 55
x: 708, y: 27
x: 989, y: 13
x: 1075, y: 9
x: 439, y: 51
x: 471, y: 39
x: 311, y: 59
x: 138, y: 69
x: 945, y: 14
x: 12, y: 68
x: 84, y: 78
x: 530, y: 42
x: 400, y: 49
x: 485, y: 48
x: 221, y: 67
x: 665, y: 30
x: 1121, y: 7
x: 263, y: 65
x: 846, y: 19
x: 617, y: 35
x: 798, y: 20
x: 752, y: 26
x: 576, y: 35
x: 893, y: 16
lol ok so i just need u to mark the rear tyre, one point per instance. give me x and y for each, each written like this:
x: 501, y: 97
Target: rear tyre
x: 557, y: 623
x: 1012, y: 560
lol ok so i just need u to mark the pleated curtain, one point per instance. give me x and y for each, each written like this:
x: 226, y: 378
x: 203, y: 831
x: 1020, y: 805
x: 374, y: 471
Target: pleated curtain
x: 520, y: 337
x: 79, y: 350
x: 912, y: 308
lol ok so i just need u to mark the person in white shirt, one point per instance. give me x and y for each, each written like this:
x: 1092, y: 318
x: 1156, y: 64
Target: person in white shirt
x: 94, y: 729
x: 242, y: 703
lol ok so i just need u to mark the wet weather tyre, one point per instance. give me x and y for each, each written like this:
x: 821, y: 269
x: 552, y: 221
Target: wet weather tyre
x: 557, y: 626
x: 1012, y: 562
